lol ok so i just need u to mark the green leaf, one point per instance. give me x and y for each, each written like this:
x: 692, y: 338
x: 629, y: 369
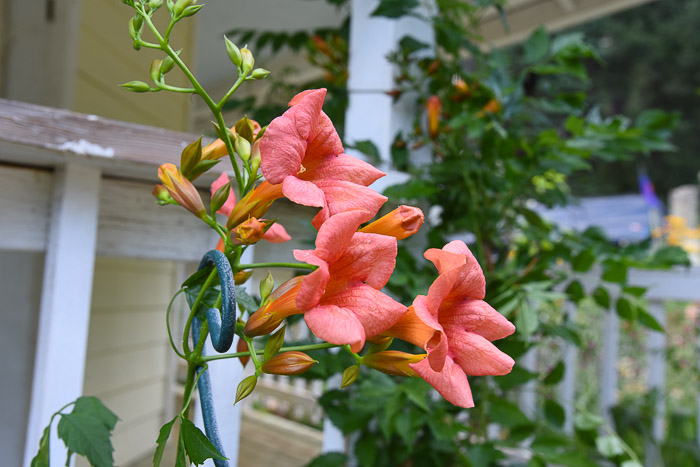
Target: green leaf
x: 602, y: 297
x: 93, y: 407
x: 366, y: 448
x: 554, y: 413
x: 630, y: 463
x: 526, y: 321
x: 648, y: 320
x: 625, y: 309
x: 329, y: 459
x: 88, y: 436
x: 162, y: 440
x: 394, y: 8
x: 42, y: 457
x: 408, y: 45
x: 507, y: 413
x: 609, y: 446
x: 575, y: 291
x: 583, y: 261
x: 667, y: 256
x: 417, y: 391
x: 537, y: 45
x: 369, y: 149
x: 181, y: 460
x: 245, y: 301
x: 556, y: 375
x: 197, y: 445
x: 587, y: 421
x: 614, y: 271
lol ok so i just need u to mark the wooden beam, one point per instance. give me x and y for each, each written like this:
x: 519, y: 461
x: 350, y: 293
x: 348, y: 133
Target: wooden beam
x: 59, y: 362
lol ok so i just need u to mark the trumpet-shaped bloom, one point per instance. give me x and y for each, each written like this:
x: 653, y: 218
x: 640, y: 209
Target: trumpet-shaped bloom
x: 275, y: 234
x: 456, y: 326
x: 400, y: 223
x: 342, y: 299
x: 302, y: 151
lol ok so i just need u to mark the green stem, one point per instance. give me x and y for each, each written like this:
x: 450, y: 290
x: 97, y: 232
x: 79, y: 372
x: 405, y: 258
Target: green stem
x: 310, y: 267
x: 357, y: 358
x: 325, y: 345
x: 167, y: 87
x: 188, y: 395
x: 253, y: 354
x: 167, y: 324
x: 239, y: 81
x: 193, y: 311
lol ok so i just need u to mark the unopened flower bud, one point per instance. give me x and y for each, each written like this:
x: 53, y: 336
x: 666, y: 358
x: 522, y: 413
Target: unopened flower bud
x: 434, y: 106
x: 282, y: 303
x: 491, y: 107
x: 247, y: 60
x: 162, y: 195
x: 274, y: 344
x: 245, y: 387
x: 219, y: 197
x: 242, y: 346
x: 400, y: 223
x: 191, y: 156
x: 191, y: 10
x: 349, y: 376
x: 241, y: 277
x: 260, y: 73
x: 180, y: 6
x: 393, y: 362
x: 242, y: 147
x: 155, y: 70
x: 168, y: 63
x: 181, y: 189
x: 266, y: 286
x: 234, y: 53
x: 249, y: 232
x: 255, y: 158
x: 288, y: 363
x: 136, y: 86
x: 154, y: 4
x: 379, y: 343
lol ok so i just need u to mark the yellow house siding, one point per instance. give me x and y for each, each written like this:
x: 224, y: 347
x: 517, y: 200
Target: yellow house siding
x: 128, y: 357
x: 106, y: 59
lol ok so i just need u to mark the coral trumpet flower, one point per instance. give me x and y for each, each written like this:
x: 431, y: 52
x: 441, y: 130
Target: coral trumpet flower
x: 302, y: 152
x: 400, y: 223
x: 455, y: 326
x: 434, y: 107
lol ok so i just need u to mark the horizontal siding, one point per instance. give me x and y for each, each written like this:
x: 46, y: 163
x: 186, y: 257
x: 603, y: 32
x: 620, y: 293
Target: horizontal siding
x: 106, y: 59
x: 127, y: 363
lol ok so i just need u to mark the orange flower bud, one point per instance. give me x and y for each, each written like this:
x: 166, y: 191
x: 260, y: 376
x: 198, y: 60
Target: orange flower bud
x: 249, y: 232
x: 241, y: 277
x: 400, y: 223
x: 461, y: 86
x: 491, y: 107
x: 181, y: 189
x: 288, y: 363
x: 282, y: 303
x: 254, y: 204
x: 242, y: 346
x: 434, y: 106
x: 433, y: 67
x: 393, y: 362
x: 322, y: 45
x: 162, y: 194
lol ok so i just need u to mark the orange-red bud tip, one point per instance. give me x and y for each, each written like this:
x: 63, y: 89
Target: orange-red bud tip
x: 241, y: 277
x: 434, y: 107
x: 181, y: 189
x: 249, y: 232
x: 242, y: 346
x: 288, y: 363
x: 393, y: 362
x: 400, y: 223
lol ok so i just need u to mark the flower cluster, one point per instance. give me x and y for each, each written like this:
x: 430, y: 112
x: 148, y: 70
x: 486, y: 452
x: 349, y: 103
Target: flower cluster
x: 302, y: 159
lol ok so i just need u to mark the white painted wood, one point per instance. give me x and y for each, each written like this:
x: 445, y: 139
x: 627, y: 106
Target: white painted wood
x: 567, y: 387
x: 607, y: 392
x: 681, y: 284
x: 527, y: 398
x: 225, y: 376
x: 656, y: 381
x: 25, y: 200
x: 64, y: 315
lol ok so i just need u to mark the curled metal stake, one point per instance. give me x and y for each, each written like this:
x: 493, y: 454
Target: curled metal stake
x: 221, y: 327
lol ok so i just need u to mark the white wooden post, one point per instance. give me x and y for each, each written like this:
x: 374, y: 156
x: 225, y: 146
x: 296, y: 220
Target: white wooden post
x: 607, y: 395
x: 656, y: 380
x: 527, y: 398
x: 225, y: 376
x: 567, y: 388
x: 59, y: 362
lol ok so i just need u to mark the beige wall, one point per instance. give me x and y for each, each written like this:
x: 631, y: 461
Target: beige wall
x: 107, y: 59
x: 128, y: 357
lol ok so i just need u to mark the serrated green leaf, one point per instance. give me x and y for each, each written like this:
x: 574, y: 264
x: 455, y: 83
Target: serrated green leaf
x: 162, y: 440
x: 197, y: 445
x: 93, y: 407
x: 42, y: 457
x: 69, y: 456
x: 88, y: 436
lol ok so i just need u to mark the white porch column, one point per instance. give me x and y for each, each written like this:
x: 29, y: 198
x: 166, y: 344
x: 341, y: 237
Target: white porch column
x: 64, y: 313
x: 607, y: 394
x: 225, y: 376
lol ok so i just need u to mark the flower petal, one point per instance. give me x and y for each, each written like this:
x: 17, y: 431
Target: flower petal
x: 369, y: 258
x: 411, y: 328
x: 344, y: 196
x: 335, y: 235
x: 456, y: 255
x: 336, y: 325
x: 343, y: 167
x: 276, y: 234
x: 477, y: 356
x: 303, y: 192
x: 313, y: 285
x: 436, y: 346
x: 478, y: 317
x: 282, y: 149
x: 451, y: 382
x: 376, y: 311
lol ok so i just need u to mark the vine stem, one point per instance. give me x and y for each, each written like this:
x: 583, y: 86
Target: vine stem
x: 310, y: 267
x: 325, y: 345
x: 199, y: 90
